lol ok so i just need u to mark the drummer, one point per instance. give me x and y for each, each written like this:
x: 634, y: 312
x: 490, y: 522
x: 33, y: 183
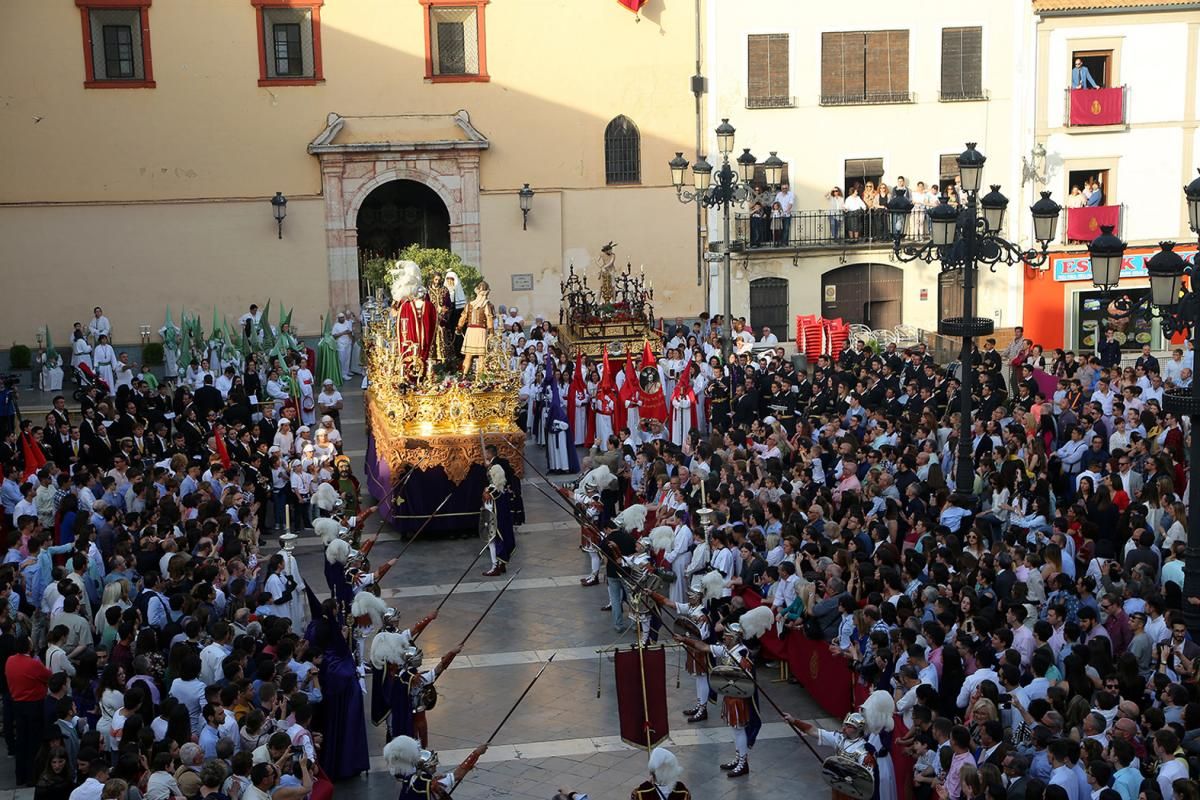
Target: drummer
x: 864, y: 741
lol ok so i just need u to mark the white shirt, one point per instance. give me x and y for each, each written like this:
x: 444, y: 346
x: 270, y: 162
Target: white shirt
x: 770, y: 338
x: 91, y: 789
x: 191, y: 695
x: 210, y: 662
x: 974, y: 679
x: 100, y: 326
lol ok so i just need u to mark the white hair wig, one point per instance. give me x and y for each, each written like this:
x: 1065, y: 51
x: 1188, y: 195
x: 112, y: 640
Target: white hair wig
x: 325, y: 497
x: 406, y: 279
x: 662, y: 537
x: 402, y: 755
x: 388, y: 648
x: 369, y: 604
x: 756, y: 621
x: 879, y: 712
x: 664, y: 767
x: 632, y: 518
x: 337, y: 552
x: 327, y: 528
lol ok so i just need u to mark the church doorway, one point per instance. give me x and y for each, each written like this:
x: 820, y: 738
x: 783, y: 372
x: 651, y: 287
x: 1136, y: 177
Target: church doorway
x: 399, y: 213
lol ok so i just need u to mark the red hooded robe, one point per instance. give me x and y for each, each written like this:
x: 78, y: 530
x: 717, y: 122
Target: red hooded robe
x: 654, y: 404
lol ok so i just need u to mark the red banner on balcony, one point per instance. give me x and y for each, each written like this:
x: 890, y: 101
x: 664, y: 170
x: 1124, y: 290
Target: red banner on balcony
x: 633, y: 5
x: 1083, y: 224
x: 1096, y: 106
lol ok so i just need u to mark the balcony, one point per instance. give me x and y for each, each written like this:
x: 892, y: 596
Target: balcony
x: 962, y: 96
x: 1083, y: 224
x: 770, y: 102
x: 864, y: 229
x: 879, y: 98
x: 1095, y: 108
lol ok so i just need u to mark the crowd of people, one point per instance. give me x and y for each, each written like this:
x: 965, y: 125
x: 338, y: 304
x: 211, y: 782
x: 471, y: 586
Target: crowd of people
x: 1031, y: 626
x: 154, y: 636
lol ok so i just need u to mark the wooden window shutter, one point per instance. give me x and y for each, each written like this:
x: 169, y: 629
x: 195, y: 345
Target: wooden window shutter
x: 948, y: 167
x: 757, y: 79
x: 777, y: 64
x: 886, y: 64
x: 962, y: 62
x: 767, y: 69
x: 861, y: 168
x: 842, y: 65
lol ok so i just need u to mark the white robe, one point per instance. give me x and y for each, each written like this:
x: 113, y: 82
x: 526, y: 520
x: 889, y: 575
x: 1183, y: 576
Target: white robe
x: 308, y: 400
x: 170, y: 355
x: 52, y: 376
x: 345, y: 345
x: 105, y: 360
x: 582, y: 402
x: 81, y: 353
x: 681, y: 420
x: 124, y: 374
x: 633, y: 418
x: 680, y: 558
x: 100, y: 326
x: 604, y: 421
x: 556, y: 446
x: 298, y: 605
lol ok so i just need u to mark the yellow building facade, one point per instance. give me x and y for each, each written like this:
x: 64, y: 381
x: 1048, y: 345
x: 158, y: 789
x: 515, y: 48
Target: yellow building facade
x: 144, y: 140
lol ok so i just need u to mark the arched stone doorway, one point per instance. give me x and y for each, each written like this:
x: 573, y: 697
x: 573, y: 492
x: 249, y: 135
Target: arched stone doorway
x: 427, y: 162
x: 397, y: 214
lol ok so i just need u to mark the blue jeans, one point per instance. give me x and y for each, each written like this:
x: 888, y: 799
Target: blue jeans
x: 280, y: 497
x: 616, y: 594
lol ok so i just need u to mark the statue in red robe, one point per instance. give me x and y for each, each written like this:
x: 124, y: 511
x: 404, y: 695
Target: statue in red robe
x: 415, y: 321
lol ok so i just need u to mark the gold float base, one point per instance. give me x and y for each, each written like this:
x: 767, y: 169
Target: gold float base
x: 592, y: 339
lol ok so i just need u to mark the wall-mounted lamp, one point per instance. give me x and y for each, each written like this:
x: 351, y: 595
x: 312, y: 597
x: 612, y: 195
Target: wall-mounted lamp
x: 39, y: 336
x: 526, y: 197
x: 279, y: 208
x: 144, y: 330
x: 1033, y: 167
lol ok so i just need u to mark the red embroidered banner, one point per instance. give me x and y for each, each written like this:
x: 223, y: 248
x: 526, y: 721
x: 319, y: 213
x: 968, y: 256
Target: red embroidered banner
x: 1096, y: 106
x: 1083, y: 224
x: 639, y: 722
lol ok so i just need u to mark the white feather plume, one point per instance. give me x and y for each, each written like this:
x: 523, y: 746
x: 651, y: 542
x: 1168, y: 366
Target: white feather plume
x: 632, y: 518
x: 496, y: 476
x: 713, y: 584
x: 665, y: 767
x: 879, y: 710
x: 388, y: 648
x: 327, y: 528
x: 337, y: 552
x: 325, y: 497
x: 662, y: 537
x: 402, y: 755
x: 756, y: 621
x: 369, y: 604
x: 600, y: 479
x: 406, y: 280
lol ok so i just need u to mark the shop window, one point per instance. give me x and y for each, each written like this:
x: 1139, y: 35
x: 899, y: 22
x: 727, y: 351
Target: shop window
x: 289, y: 42
x: 455, y: 41
x: 116, y: 44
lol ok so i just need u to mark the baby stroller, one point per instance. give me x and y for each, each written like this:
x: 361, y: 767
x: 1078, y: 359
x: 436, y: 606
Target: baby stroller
x: 86, y: 379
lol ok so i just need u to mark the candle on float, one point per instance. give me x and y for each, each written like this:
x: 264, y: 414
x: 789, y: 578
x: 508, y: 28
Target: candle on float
x: 287, y: 517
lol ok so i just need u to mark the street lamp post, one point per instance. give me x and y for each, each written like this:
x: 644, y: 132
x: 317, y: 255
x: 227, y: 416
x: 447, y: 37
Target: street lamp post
x: 961, y: 239
x: 729, y: 189
x: 1179, y: 309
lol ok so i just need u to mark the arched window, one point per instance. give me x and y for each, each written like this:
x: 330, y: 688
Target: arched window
x: 622, y: 152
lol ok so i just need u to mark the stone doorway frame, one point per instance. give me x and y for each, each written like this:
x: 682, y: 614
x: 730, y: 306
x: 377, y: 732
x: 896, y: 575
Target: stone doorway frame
x: 351, y: 170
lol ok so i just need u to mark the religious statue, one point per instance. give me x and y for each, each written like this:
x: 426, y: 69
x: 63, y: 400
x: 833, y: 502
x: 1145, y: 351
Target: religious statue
x: 607, y: 262
x: 415, y: 316
x: 171, y: 347
x: 443, y: 304
x: 477, y: 320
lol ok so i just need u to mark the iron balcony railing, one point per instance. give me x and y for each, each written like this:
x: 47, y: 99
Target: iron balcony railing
x: 770, y: 101
x: 827, y: 228
x: 868, y: 99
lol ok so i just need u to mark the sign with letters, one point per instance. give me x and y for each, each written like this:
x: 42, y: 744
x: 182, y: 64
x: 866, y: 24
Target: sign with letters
x: 522, y: 282
x: 1079, y: 268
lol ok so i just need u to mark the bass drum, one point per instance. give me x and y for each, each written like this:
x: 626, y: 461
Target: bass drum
x: 683, y: 626
x: 730, y: 681
x: 848, y: 777
x: 427, y: 698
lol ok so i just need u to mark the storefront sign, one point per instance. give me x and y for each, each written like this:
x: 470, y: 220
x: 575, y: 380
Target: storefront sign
x: 1079, y: 268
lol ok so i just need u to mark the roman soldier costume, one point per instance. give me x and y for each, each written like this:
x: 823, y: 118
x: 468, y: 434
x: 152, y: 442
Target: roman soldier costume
x: 664, y: 783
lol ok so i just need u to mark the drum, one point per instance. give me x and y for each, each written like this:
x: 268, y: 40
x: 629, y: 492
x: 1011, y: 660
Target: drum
x: 848, y: 777
x: 728, y: 680
x: 427, y: 697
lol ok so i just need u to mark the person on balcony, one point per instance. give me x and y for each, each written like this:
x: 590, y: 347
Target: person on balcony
x: 786, y: 200
x: 837, y: 210
x: 855, y: 212
x: 1081, y: 77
